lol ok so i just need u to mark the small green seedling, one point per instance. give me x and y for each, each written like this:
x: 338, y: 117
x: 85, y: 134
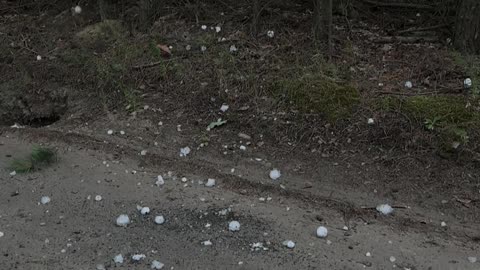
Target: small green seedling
x: 431, y: 124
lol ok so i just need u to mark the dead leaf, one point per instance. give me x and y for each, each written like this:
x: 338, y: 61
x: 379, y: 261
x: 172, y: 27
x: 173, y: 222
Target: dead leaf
x: 165, y: 49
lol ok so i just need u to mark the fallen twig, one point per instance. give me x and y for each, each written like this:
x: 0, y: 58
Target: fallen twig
x: 420, y: 29
x: 397, y: 5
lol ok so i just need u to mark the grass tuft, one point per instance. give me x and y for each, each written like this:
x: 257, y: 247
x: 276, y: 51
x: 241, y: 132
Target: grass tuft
x: 40, y: 156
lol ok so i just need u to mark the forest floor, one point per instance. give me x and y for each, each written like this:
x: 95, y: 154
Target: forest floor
x: 118, y: 104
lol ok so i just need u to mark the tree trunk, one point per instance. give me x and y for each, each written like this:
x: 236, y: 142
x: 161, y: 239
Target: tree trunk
x: 323, y: 22
x: 467, y: 27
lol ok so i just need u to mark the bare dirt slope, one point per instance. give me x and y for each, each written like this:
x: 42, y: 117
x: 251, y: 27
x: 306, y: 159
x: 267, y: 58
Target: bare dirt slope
x: 74, y: 231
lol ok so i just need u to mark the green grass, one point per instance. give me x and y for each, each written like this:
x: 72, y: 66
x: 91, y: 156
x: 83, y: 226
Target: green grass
x: 40, y: 156
x: 471, y: 66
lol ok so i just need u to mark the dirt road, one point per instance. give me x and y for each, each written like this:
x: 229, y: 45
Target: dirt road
x: 75, y: 231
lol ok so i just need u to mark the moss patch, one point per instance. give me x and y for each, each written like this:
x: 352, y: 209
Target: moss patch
x: 319, y: 94
x: 100, y: 35
x: 448, y: 109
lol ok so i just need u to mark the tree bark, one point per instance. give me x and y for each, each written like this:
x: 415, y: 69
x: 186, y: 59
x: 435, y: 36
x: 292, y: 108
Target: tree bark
x: 323, y: 22
x: 467, y: 27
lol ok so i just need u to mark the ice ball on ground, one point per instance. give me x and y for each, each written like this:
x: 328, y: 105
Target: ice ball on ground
x: 118, y: 259
x: 207, y: 243
x: 98, y: 198
x: 233, y: 48
x: 225, y: 107
x: 145, y: 210
x: 143, y: 152
x: 210, y: 182
x: 110, y: 132
x: 204, y: 27
x: 467, y: 83
x: 218, y: 29
x: 371, y: 121
x: 234, y: 226
x: 185, y: 151
x: 77, y: 9
x: 472, y: 259
x: 275, y: 174
x: 123, y: 220
x: 289, y: 243
x: 157, y: 265
x: 138, y: 257
x: 13, y: 173
x: 270, y: 34
x: 45, y: 200
x: 443, y: 224
x: 384, y: 209
x: 160, y: 181
x: 408, y: 84
x: 159, y: 220
x: 392, y: 259
x: 322, y: 232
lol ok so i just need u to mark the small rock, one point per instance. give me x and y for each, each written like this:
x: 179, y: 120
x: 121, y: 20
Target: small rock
x: 244, y: 136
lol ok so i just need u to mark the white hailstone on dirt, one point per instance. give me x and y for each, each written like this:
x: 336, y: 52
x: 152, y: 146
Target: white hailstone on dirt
x: 138, y: 257
x: 45, y: 200
x: 368, y: 254
x: 123, y: 220
x: 109, y: 132
x: 224, y: 108
x: 270, y: 33
x: 467, y: 83
x: 243, y: 148
x: 234, y: 226
x: 384, y: 209
x: 472, y: 259
x: 160, y: 181
x: 275, y: 174
x: 188, y: 47
x: 207, y: 243
x: 39, y: 57
x: 345, y: 228
x: 218, y: 29
x: 392, y: 259
x: 77, y: 9
x: 157, y: 265
x: 1, y: 234
x: 185, y: 151
x: 233, y: 48
x: 118, y: 259
x: 289, y: 243
x: 443, y: 224
x: 184, y: 180
x: 210, y: 182
x: 322, y: 232
x: 98, y: 198
x: 13, y: 173
x: 145, y: 210
x: 143, y: 152
x: 204, y: 27
x: 122, y: 132
x: 203, y: 48
x: 370, y: 121
x: 408, y: 84
x: 100, y: 266
x: 159, y: 220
